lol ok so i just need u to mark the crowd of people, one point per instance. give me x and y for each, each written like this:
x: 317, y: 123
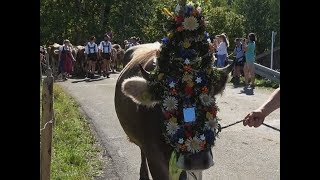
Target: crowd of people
x: 93, y: 53
x: 244, y: 53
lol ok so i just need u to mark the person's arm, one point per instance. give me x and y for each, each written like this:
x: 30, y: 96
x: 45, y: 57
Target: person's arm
x: 256, y: 117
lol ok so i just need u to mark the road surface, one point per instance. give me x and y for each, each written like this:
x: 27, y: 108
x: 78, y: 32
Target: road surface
x: 240, y: 152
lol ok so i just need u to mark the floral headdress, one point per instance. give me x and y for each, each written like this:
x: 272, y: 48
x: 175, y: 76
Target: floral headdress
x: 184, y: 80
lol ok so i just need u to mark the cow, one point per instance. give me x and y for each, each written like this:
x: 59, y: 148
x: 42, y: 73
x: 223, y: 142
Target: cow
x: 142, y: 118
x: 53, y: 51
x: 80, y: 66
x: 118, y: 56
x: 77, y: 52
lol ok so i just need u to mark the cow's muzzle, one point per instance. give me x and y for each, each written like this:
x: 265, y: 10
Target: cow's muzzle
x: 199, y: 161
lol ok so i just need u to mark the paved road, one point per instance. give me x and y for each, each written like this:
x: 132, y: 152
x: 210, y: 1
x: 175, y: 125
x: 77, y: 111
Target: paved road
x: 240, y: 152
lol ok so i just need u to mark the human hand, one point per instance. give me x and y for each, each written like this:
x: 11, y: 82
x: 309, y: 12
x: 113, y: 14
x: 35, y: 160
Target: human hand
x: 255, y: 118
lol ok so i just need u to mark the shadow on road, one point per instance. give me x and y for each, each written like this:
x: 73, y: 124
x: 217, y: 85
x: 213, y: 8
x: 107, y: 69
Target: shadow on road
x: 247, y: 91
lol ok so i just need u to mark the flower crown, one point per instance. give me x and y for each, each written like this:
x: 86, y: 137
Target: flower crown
x: 183, y: 80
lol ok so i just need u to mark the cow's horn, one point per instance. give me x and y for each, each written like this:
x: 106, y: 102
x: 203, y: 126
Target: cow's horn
x: 145, y: 74
x: 228, y: 68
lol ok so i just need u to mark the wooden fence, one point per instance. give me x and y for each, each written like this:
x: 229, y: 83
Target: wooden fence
x: 47, y: 125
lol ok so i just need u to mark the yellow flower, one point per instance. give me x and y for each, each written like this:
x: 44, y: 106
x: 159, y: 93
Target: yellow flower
x: 209, y: 116
x: 190, y: 84
x: 186, y: 44
x: 167, y: 12
x: 170, y: 34
x: 173, y: 119
x: 187, y: 78
x: 160, y: 76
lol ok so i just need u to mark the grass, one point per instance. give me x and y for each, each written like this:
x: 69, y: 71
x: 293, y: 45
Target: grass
x: 75, y: 153
x: 262, y: 82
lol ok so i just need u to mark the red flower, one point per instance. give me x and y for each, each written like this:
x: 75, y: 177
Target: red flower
x: 214, y: 111
x: 204, y: 90
x: 173, y: 92
x: 180, y: 28
x: 188, y: 134
x: 167, y: 115
x: 187, y: 68
x: 188, y: 90
x: 179, y: 19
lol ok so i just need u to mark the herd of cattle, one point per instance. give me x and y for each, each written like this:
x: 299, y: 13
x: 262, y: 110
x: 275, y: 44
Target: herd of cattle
x: 80, y: 66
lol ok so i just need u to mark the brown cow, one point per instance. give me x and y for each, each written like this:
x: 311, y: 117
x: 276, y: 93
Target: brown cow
x: 141, y: 118
x: 80, y: 66
x: 119, y: 55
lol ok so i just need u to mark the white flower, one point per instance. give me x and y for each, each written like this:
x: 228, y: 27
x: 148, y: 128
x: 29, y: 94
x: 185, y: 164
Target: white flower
x: 170, y: 103
x: 198, y: 80
x: 193, y: 144
x: 199, y: 9
x: 202, y: 137
x: 190, y: 4
x: 206, y: 99
x: 172, y: 84
x: 180, y: 141
x: 178, y: 8
x: 187, y: 61
x: 190, y: 23
x: 172, y: 128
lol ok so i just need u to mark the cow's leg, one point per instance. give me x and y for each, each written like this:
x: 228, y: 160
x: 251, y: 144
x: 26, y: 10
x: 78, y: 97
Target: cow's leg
x: 144, y: 174
x: 158, y: 163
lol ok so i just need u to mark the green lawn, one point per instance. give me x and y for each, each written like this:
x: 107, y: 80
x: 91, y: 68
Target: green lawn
x: 75, y: 154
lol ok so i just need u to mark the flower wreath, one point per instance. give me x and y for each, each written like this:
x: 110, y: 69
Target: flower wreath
x: 183, y: 81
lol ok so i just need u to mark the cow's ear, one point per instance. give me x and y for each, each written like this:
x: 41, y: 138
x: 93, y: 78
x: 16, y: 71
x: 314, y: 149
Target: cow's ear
x: 136, y: 88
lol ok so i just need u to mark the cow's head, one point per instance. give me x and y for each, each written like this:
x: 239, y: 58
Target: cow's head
x: 137, y: 87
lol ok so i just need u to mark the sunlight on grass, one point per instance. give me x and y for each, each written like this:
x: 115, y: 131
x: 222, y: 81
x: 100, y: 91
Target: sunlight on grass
x: 75, y: 154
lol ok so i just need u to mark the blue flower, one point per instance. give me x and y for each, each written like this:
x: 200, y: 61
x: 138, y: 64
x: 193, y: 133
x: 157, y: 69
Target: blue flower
x: 206, y: 35
x: 171, y: 79
x: 189, y: 8
x: 203, y: 78
x: 187, y: 53
x: 165, y: 40
x: 209, y: 136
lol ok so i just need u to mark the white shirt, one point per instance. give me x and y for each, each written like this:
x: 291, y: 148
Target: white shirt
x: 93, y: 48
x: 64, y: 47
x: 222, y: 49
x: 105, y: 47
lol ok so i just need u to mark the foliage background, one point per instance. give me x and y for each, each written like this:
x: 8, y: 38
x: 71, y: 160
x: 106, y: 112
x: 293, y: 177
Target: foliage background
x: 77, y: 20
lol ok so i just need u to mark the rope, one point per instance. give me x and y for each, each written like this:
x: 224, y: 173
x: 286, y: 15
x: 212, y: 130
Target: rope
x: 220, y: 128
x: 49, y: 122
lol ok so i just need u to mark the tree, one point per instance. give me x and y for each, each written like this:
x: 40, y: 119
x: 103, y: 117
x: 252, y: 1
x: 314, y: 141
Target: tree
x: 261, y: 17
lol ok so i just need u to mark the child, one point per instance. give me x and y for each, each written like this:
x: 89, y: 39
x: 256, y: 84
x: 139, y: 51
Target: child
x: 222, y: 50
x: 240, y: 59
x: 91, y: 51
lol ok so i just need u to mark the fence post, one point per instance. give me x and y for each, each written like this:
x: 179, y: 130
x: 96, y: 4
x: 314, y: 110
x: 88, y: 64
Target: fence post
x: 46, y: 133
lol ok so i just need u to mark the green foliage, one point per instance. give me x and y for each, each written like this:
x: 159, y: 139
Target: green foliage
x: 79, y: 19
x: 261, y: 17
x: 220, y: 20
x: 75, y: 154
